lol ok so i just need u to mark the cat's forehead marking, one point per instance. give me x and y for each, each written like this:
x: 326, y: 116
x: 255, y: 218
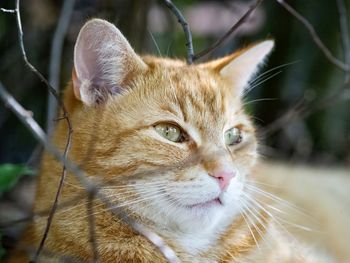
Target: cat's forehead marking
x: 200, y: 101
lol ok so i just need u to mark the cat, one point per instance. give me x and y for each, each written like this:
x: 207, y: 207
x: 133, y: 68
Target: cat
x: 172, y: 145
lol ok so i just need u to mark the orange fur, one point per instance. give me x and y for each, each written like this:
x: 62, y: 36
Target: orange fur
x: 114, y: 139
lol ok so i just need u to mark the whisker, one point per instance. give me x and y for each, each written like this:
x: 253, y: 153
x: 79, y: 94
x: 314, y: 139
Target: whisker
x: 248, y: 90
x: 257, y: 203
x: 155, y: 42
x: 273, y: 69
x: 244, y: 215
x: 168, y: 48
x: 258, y: 100
x: 276, y: 209
x: 141, y: 183
x: 123, y: 204
x: 254, y: 182
x: 258, y: 219
x: 304, y: 228
x: 277, y: 199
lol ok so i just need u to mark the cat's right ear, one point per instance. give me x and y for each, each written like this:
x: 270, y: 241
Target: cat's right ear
x: 104, y: 62
x: 240, y: 67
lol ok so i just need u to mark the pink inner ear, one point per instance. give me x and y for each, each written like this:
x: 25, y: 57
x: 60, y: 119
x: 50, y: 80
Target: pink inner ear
x: 100, y: 56
x: 87, y: 60
x: 243, y: 67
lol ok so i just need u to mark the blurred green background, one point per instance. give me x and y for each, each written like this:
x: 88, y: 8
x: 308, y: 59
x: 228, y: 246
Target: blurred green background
x: 323, y: 137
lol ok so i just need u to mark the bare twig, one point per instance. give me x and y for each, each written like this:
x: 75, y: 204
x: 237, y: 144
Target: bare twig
x: 228, y: 33
x: 92, y: 232
x: 159, y: 243
x: 66, y: 117
x: 185, y: 27
x: 22, y: 114
x: 303, y: 109
x: 331, y: 58
x: 55, y: 60
x: 55, y: 203
x: 8, y: 10
x: 345, y: 37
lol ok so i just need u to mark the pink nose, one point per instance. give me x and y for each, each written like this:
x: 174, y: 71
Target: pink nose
x: 223, y: 177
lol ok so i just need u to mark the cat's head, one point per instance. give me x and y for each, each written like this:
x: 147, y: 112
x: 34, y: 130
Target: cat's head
x: 178, y: 131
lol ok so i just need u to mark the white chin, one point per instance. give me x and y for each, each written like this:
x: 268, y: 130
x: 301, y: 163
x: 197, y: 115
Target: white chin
x: 194, y: 217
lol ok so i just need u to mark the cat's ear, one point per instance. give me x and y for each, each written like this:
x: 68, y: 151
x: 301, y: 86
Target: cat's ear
x: 103, y: 62
x: 241, y: 66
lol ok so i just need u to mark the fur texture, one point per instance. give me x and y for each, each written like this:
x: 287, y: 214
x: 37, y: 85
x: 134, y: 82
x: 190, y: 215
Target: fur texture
x: 194, y: 193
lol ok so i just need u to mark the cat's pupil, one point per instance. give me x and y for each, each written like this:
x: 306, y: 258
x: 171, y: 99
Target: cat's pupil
x: 169, y: 132
x: 233, y: 136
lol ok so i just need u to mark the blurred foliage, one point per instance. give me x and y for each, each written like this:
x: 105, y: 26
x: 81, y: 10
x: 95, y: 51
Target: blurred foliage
x: 323, y: 137
x: 10, y: 174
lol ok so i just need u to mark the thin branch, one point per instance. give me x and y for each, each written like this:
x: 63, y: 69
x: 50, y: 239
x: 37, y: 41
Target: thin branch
x: 22, y: 114
x: 159, y: 243
x: 8, y: 10
x: 55, y: 203
x: 92, y: 232
x: 344, y: 30
x: 303, y: 109
x: 55, y: 59
x: 228, y: 33
x: 66, y: 117
x: 185, y: 27
x: 341, y: 65
x: 38, y: 133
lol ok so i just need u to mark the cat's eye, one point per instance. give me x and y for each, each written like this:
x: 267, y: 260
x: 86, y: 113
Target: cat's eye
x: 170, y: 132
x: 233, y: 136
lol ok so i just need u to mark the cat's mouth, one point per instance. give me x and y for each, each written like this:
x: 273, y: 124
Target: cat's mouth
x: 207, y: 204
x: 212, y: 203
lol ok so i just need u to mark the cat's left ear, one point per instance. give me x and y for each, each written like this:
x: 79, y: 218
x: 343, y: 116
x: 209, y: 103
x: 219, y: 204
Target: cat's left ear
x: 104, y: 63
x: 241, y: 66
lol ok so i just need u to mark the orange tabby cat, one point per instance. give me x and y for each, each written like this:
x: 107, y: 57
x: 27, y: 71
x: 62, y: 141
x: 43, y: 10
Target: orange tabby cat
x: 179, y: 133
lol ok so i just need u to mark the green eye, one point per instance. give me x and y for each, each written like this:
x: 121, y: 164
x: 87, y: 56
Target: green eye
x: 233, y: 136
x: 170, y: 132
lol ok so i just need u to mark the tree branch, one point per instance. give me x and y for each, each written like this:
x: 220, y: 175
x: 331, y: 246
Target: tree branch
x: 55, y: 60
x: 228, y: 33
x: 185, y: 27
x: 341, y: 65
x: 22, y: 114
x: 66, y: 117
x: 92, y: 232
x: 304, y: 109
x: 13, y: 11
x: 344, y: 30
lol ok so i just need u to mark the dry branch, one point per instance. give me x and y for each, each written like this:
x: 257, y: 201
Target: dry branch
x: 303, y: 109
x: 92, y: 232
x: 316, y: 39
x: 222, y: 39
x: 185, y: 27
x: 65, y: 116
x: 345, y: 37
x: 22, y: 114
x: 8, y: 10
x: 55, y: 60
